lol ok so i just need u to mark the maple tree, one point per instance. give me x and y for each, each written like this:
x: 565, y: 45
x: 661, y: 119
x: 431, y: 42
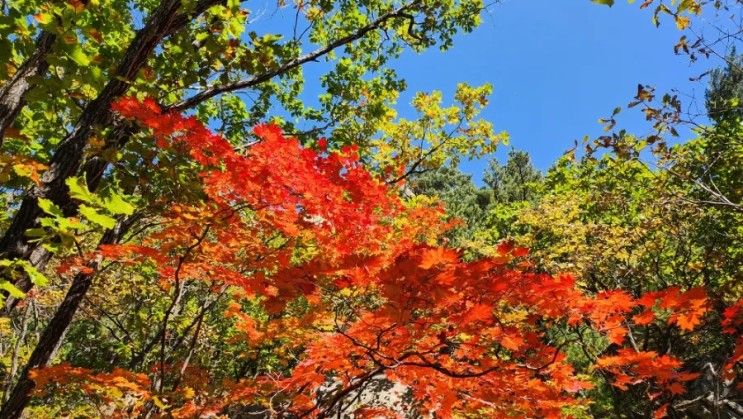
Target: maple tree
x: 170, y: 251
x: 377, y: 296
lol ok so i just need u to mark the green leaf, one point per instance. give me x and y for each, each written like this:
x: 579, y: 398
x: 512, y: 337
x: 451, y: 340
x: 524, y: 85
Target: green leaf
x: 604, y: 2
x: 50, y: 208
x: 36, y: 277
x: 79, y: 190
x: 67, y: 224
x: 77, y: 55
x: 115, y: 204
x: 53, y: 247
x: 49, y: 222
x: 36, y: 232
x: 95, y: 217
x: 11, y: 289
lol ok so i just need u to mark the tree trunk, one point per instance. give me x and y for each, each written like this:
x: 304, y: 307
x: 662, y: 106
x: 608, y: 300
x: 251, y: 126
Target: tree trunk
x: 67, y: 158
x: 56, y: 328
x: 13, y: 92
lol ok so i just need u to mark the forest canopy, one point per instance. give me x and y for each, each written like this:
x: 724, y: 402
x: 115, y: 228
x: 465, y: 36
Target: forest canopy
x: 185, y: 235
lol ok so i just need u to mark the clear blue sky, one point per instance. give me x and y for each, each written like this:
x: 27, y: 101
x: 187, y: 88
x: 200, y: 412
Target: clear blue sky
x: 557, y: 66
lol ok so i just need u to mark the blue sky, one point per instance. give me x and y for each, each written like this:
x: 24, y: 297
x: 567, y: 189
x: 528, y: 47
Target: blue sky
x: 556, y: 67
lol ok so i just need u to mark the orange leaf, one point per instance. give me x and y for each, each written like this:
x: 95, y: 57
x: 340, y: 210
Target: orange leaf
x: 478, y: 312
x: 438, y: 256
x: 644, y: 318
x: 661, y: 412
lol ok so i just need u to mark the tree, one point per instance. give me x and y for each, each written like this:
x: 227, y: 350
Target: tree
x: 440, y: 136
x: 726, y: 90
x: 351, y: 291
x: 508, y: 189
x: 515, y: 181
x: 464, y: 202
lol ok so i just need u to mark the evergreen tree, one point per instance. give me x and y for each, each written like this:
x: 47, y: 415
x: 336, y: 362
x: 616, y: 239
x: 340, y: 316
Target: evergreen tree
x: 725, y: 91
x: 462, y: 198
x: 515, y: 181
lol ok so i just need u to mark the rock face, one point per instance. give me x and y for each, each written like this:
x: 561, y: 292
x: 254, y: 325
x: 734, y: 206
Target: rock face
x: 712, y: 397
x: 378, y: 393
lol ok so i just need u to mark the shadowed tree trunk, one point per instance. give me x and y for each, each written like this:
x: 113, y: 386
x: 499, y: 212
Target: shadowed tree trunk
x: 13, y: 92
x: 52, y: 335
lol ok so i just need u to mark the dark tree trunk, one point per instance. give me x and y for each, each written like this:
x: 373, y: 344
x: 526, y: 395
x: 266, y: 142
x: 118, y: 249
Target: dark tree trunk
x: 67, y: 158
x: 56, y: 328
x: 13, y: 92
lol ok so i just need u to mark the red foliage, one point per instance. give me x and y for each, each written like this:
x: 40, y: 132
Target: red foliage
x: 282, y: 221
x: 126, y: 390
x: 634, y: 367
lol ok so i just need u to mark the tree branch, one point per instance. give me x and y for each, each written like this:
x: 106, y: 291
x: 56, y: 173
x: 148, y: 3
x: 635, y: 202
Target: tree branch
x: 291, y: 64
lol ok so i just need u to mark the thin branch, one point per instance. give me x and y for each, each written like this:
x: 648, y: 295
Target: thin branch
x: 177, y: 295
x: 291, y: 64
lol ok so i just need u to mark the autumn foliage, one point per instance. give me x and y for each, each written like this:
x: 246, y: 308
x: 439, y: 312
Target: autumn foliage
x: 282, y: 225
x: 219, y: 209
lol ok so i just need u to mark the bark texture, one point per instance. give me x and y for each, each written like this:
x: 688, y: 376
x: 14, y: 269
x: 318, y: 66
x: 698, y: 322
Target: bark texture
x: 67, y: 158
x: 52, y: 335
x: 13, y: 92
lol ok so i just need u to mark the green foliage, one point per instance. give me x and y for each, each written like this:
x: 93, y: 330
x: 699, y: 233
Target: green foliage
x: 725, y: 93
x: 11, y: 268
x: 111, y: 202
x: 464, y: 201
x: 58, y: 233
x: 440, y: 135
x: 517, y: 180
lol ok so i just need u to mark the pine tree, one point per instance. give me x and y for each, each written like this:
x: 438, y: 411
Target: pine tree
x: 725, y: 91
x: 515, y: 181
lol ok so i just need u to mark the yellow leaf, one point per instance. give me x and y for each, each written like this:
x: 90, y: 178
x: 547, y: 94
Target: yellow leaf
x: 682, y: 22
x: 43, y: 18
